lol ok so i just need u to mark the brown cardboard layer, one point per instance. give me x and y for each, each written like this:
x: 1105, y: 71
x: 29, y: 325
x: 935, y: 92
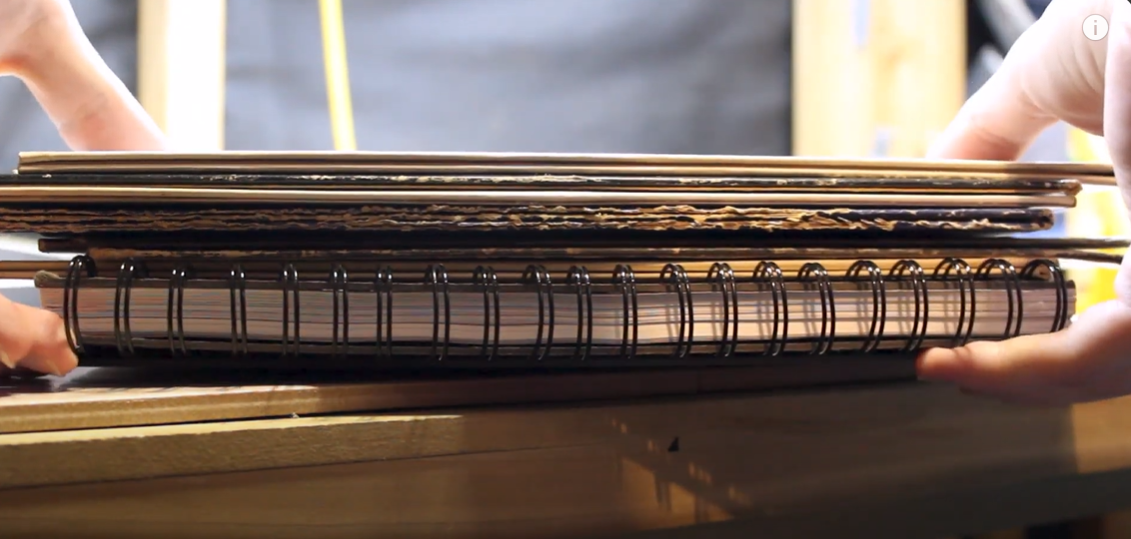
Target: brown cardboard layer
x: 373, y: 218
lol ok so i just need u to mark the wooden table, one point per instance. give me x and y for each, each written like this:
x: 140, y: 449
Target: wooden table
x: 672, y: 454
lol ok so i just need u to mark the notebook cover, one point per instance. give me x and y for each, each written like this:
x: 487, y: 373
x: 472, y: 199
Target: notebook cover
x: 892, y: 183
x: 534, y: 247
x: 547, y: 163
x: 105, y: 195
x: 617, y: 245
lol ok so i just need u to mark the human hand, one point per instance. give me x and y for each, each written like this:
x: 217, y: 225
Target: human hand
x: 33, y: 339
x: 42, y: 44
x: 1052, y: 73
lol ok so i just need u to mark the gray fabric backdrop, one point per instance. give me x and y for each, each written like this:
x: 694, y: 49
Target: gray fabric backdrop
x: 697, y: 76
x: 518, y: 75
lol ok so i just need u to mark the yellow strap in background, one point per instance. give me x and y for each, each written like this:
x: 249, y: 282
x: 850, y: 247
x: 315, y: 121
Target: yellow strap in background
x: 337, y: 74
x: 1099, y: 212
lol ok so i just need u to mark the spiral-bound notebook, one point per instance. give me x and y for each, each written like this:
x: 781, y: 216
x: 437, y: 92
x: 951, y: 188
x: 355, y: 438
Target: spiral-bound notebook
x: 495, y: 314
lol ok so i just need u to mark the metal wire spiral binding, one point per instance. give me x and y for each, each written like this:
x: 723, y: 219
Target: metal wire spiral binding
x: 79, y: 265
x: 879, y: 302
x: 540, y: 278
x: 676, y: 277
x: 123, y: 336
x: 175, y: 310
x: 237, y: 284
x: 486, y: 279
x: 383, y: 288
x: 876, y: 335
x: 918, y: 279
x: 624, y: 279
x: 1060, y: 319
x: 965, y: 282
x: 580, y: 280
x: 814, y: 272
x: 1013, y: 287
x: 723, y: 277
x: 437, y: 277
x: 771, y: 273
x: 339, y: 283
x: 290, y: 285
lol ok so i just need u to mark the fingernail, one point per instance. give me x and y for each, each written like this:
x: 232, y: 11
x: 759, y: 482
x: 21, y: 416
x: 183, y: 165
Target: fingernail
x: 70, y: 360
x: 6, y: 360
x: 52, y: 357
x: 50, y: 365
x: 921, y: 371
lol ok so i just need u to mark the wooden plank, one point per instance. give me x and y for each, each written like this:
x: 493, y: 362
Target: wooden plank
x: 916, y: 437
x: 876, y: 77
x: 181, y: 70
x: 1013, y: 508
x: 96, y: 398
x: 895, y: 461
x: 376, y: 500
x: 1099, y: 434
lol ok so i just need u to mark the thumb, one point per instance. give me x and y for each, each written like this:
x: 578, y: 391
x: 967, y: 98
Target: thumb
x: 33, y: 339
x: 1086, y: 361
x: 1019, y: 369
x: 1117, y: 97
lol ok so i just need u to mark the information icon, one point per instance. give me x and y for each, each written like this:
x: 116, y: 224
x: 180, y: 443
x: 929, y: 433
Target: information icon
x: 1095, y: 27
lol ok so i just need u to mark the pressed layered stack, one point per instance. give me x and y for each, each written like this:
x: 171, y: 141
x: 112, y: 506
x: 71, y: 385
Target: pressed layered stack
x: 386, y: 261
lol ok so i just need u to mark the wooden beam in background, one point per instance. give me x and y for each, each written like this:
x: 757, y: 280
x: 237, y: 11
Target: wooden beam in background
x: 875, y: 77
x: 181, y: 67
